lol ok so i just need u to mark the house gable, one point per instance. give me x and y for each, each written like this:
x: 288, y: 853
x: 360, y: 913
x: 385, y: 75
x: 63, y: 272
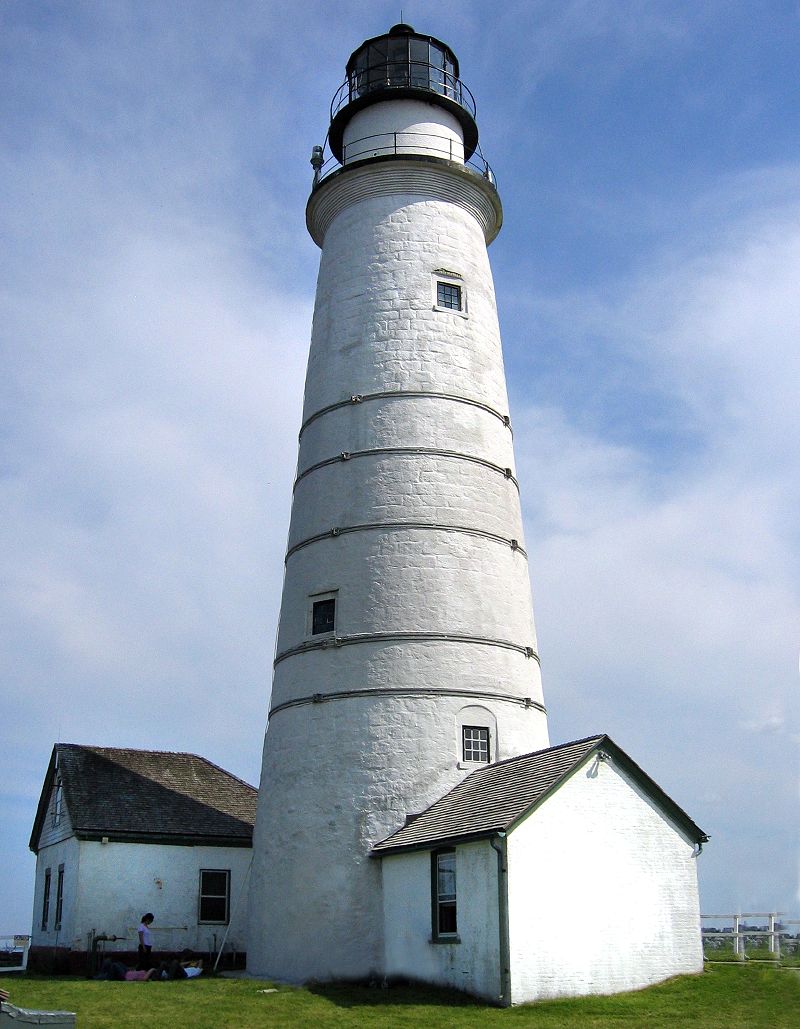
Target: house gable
x: 601, y: 855
x: 53, y: 822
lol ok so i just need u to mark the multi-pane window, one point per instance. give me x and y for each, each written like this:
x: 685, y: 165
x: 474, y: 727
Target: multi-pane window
x: 323, y: 616
x: 215, y: 893
x: 448, y: 294
x: 46, y: 899
x: 475, y: 743
x: 59, y: 896
x: 443, y: 871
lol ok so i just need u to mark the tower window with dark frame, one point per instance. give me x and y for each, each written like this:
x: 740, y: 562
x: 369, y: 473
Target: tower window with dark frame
x: 448, y: 294
x: 323, y: 616
x: 475, y: 740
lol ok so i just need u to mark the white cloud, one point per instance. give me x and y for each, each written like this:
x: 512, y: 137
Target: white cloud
x: 666, y: 596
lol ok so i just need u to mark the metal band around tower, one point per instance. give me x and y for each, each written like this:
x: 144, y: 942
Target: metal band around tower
x: 431, y: 177
x: 400, y: 526
x: 402, y: 637
x: 407, y: 691
x: 347, y: 455
x: 362, y: 398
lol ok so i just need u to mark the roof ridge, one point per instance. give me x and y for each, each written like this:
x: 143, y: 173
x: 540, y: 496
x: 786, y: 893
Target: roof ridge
x: 133, y: 750
x: 95, y: 748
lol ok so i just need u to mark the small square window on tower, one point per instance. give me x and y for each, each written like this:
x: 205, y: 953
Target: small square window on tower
x: 475, y: 740
x: 449, y: 293
x: 323, y: 616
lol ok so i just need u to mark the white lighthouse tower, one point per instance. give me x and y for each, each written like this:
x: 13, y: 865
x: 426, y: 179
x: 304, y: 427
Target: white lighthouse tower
x: 406, y: 654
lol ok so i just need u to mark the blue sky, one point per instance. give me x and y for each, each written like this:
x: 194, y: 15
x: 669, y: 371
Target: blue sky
x: 154, y: 318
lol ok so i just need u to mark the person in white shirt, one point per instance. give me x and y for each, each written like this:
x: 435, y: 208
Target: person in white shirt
x: 145, y: 940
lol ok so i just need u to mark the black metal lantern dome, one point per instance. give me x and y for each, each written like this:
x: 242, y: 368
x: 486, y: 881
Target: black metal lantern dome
x: 398, y: 65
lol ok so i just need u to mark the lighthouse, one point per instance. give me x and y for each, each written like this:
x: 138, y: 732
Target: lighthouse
x: 406, y: 654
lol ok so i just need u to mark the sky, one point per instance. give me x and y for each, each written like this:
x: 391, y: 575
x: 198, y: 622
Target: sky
x: 155, y: 312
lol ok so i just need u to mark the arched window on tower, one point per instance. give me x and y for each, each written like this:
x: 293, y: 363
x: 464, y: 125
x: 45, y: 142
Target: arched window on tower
x: 476, y: 736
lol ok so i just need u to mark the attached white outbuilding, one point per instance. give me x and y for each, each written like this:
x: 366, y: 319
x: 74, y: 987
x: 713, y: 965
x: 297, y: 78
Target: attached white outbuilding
x: 559, y: 873
x: 122, y: 832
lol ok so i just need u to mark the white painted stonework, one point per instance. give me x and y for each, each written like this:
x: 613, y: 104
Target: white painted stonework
x: 403, y: 127
x: 406, y: 509
x: 601, y: 897
x: 603, y: 892
x: 108, y: 887
x: 472, y: 962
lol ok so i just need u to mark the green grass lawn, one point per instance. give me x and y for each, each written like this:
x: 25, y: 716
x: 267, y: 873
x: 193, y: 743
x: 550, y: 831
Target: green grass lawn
x: 723, y: 996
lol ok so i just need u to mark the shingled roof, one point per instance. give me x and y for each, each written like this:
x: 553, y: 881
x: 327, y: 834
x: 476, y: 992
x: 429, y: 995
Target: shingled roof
x: 495, y: 797
x: 148, y: 796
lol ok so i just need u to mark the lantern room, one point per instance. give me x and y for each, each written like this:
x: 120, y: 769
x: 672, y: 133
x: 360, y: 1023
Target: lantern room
x: 403, y: 65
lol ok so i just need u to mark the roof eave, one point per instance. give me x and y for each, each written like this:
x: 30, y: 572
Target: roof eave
x: 44, y: 799
x: 441, y: 841
x: 164, y: 838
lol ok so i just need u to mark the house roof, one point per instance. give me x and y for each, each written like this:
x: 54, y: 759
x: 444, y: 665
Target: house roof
x: 148, y: 796
x: 496, y: 797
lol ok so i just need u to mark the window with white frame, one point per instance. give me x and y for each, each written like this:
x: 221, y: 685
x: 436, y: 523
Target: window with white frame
x: 443, y: 894
x: 215, y: 895
x: 449, y: 292
x: 475, y: 743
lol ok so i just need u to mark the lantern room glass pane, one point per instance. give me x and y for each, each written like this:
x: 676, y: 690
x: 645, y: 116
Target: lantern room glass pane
x: 397, y: 69
x: 449, y: 77
x: 420, y: 57
x: 358, y: 79
x: 437, y: 68
x: 377, y: 64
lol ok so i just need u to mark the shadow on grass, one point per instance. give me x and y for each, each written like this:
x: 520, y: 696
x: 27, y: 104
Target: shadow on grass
x: 362, y: 994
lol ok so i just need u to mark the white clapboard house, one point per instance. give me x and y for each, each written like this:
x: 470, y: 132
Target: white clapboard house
x: 122, y: 832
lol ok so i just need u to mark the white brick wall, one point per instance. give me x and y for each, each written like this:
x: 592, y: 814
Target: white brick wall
x: 602, y: 892
x: 107, y: 888
x: 472, y: 964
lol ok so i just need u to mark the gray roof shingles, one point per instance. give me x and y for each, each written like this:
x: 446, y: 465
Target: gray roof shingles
x: 493, y: 798
x: 147, y: 794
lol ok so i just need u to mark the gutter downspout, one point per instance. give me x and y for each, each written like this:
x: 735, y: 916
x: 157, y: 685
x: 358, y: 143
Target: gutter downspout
x: 235, y: 912
x: 502, y: 916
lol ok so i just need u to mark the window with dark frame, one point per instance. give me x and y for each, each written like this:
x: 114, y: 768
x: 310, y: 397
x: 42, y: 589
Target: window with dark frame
x: 475, y: 743
x: 323, y: 616
x: 46, y: 899
x: 443, y: 890
x: 215, y: 894
x: 448, y: 294
x: 59, y: 897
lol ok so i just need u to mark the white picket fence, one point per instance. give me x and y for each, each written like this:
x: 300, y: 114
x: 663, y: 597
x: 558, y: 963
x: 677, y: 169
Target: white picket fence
x: 776, y: 933
x: 14, y: 953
